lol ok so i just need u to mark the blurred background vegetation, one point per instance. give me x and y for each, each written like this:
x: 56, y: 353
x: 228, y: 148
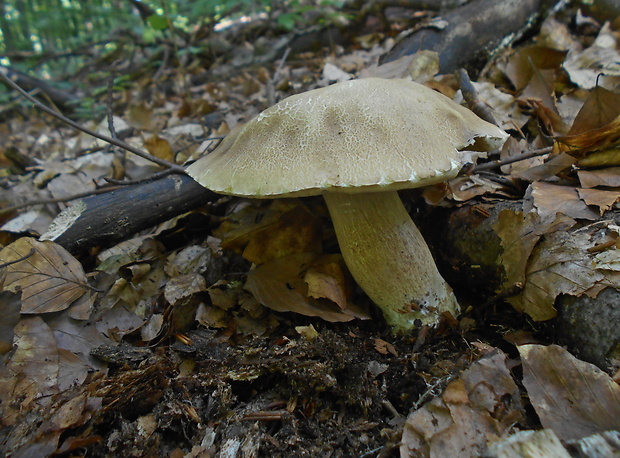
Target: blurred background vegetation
x: 55, y: 36
x: 77, y: 46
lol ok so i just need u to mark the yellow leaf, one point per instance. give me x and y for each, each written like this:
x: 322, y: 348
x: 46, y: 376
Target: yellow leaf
x: 279, y: 285
x: 159, y: 147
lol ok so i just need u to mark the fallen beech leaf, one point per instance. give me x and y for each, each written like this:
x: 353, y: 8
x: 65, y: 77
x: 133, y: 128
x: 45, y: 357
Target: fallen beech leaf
x: 560, y: 264
x: 384, y: 347
x: 328, y: 280
x: 279, y: 285
x: 140, y: 116
x: 9, y: 317
x: 600, y: 108
x: 550, y: 199
x: 36, y: 360
x: 521, y: 66
x: 604, y: 200
x: 266, y: 233
x: 548, y: 169
x: 471, y: 409
x: 72, y: 370
x: 599, y: 139
x: 519, y: 235
x: 543, y: 443
x: 573, y: 398
x: 77, y: 337
x: 159, y: 147
x: 609, y: 177
x: 607, y: 158
x: 183, y: 286
x: 49, y: 278
x: 585, y: 67
x: 70, y: 413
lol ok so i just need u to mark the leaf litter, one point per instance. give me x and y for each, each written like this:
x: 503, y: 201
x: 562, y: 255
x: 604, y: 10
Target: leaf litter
x: 123, y: 351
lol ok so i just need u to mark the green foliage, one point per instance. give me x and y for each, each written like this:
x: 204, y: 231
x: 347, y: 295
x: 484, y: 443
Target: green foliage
x: 158, y: 22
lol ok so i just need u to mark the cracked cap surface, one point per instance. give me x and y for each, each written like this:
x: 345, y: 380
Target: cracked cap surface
x: 361, y: 135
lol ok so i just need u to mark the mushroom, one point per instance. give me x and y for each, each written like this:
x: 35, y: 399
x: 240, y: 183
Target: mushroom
x: 357, y: 143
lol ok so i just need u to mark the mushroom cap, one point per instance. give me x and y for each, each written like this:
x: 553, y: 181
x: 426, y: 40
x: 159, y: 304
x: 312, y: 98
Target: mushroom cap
x: 362, y: 135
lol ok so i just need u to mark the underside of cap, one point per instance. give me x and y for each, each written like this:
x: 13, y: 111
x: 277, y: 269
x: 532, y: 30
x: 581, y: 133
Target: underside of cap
x: 360, y: 135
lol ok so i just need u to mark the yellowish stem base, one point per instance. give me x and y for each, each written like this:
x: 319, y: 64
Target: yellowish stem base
x: 389, y: 258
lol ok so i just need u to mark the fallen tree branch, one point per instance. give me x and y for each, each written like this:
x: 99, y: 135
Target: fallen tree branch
x: 467, y: 36
x: 105, y: 219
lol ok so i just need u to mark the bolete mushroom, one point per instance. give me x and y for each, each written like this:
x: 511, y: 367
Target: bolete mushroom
x: 357, y: 143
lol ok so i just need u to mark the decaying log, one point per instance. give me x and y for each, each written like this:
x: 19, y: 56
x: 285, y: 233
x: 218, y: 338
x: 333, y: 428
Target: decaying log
x: 105, y: 219
x: 465, y: 37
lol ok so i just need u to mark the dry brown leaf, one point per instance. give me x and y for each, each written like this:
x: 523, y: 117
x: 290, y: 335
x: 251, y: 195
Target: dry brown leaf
x: 609, y: 177
x: 549, y: 199
x: 34, y: 366
x: 159, y: 147
x: 596, y: 130
x: 573, y: 398
x: 548, y: 169
x: 279, y: 285
x: 384, y: 347
x: 183, y: 286
x: 599, y: 109
x: 328, y: 280
x: 78, y: 337
x: 604, y: 200
x: 545, y: 268
x: 117, y: 322
x: 521, y: 66
x: 144, y: 282
x: 9, y: 317
x: 212, y: 317
x: 530, y: 444
x: 600, y: 139
x: 193, y: 259
x: 72, y: 370
x: 224, y: 295
x: 140, y: 116
x: 560, y: 264
x: 595, y: 65
x: 471, y: 409
x: 49, y: 277
x: 519, y: 235
x: 597, y: 159
x: 266, y: 233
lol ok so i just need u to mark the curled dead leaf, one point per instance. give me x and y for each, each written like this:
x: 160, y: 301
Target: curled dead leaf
x: 280, y: 285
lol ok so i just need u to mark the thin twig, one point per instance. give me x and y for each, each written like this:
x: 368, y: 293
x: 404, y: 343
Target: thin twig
x: 92, y: 133
x: 512, y: 159
x: 471, y: 97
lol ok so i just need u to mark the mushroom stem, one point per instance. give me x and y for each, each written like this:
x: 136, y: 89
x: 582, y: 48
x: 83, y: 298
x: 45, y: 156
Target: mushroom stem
x: 389, y: 258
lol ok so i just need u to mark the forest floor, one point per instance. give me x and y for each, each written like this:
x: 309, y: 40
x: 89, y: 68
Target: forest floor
x: 156, y: 346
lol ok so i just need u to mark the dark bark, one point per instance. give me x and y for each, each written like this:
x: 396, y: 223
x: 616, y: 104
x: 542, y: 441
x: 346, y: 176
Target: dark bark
x: 467, y: 36
x: 115, y: 216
